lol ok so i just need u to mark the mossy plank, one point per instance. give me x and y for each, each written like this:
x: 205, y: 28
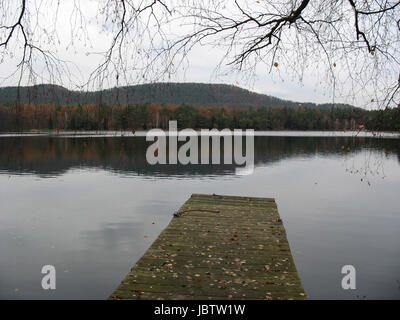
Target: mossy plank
x: 217, y: 247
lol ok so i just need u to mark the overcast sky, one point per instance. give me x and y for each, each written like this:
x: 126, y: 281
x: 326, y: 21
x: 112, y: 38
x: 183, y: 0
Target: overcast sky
x: 201, y: 63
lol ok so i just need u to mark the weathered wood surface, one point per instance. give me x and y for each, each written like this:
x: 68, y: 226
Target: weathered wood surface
x: 217, y: 247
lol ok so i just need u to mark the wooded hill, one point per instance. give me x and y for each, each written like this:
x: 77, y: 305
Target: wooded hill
x: 197, y: 94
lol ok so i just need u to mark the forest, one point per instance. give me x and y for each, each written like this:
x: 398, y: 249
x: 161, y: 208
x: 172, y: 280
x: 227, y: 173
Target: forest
x: 144, y: 116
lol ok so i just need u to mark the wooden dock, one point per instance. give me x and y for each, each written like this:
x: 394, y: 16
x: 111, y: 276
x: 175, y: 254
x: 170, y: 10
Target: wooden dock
x: 217, y: 247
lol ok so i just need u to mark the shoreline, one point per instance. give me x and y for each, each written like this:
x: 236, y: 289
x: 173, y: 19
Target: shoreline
x: 143, y: 133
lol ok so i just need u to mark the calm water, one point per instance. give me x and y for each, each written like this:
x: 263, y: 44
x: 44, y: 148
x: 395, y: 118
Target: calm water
x: 91, y: 206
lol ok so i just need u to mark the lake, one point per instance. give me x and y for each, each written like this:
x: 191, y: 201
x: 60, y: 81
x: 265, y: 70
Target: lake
x: 92, y: 205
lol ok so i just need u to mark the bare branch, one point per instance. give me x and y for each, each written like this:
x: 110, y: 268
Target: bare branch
x: 353, y: 47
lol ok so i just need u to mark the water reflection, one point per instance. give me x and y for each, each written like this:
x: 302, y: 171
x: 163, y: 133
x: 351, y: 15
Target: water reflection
x: 53, y: 156
x: 93, y: 226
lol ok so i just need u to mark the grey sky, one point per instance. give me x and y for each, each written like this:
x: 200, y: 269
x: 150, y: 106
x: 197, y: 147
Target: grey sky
x: 199, y: 66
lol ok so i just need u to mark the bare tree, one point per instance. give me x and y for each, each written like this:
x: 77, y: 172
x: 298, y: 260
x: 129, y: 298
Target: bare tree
x: 353, y: 46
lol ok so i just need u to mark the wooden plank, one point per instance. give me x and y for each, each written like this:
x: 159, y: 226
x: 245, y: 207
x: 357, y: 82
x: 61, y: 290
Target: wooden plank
x: 217, y: 247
